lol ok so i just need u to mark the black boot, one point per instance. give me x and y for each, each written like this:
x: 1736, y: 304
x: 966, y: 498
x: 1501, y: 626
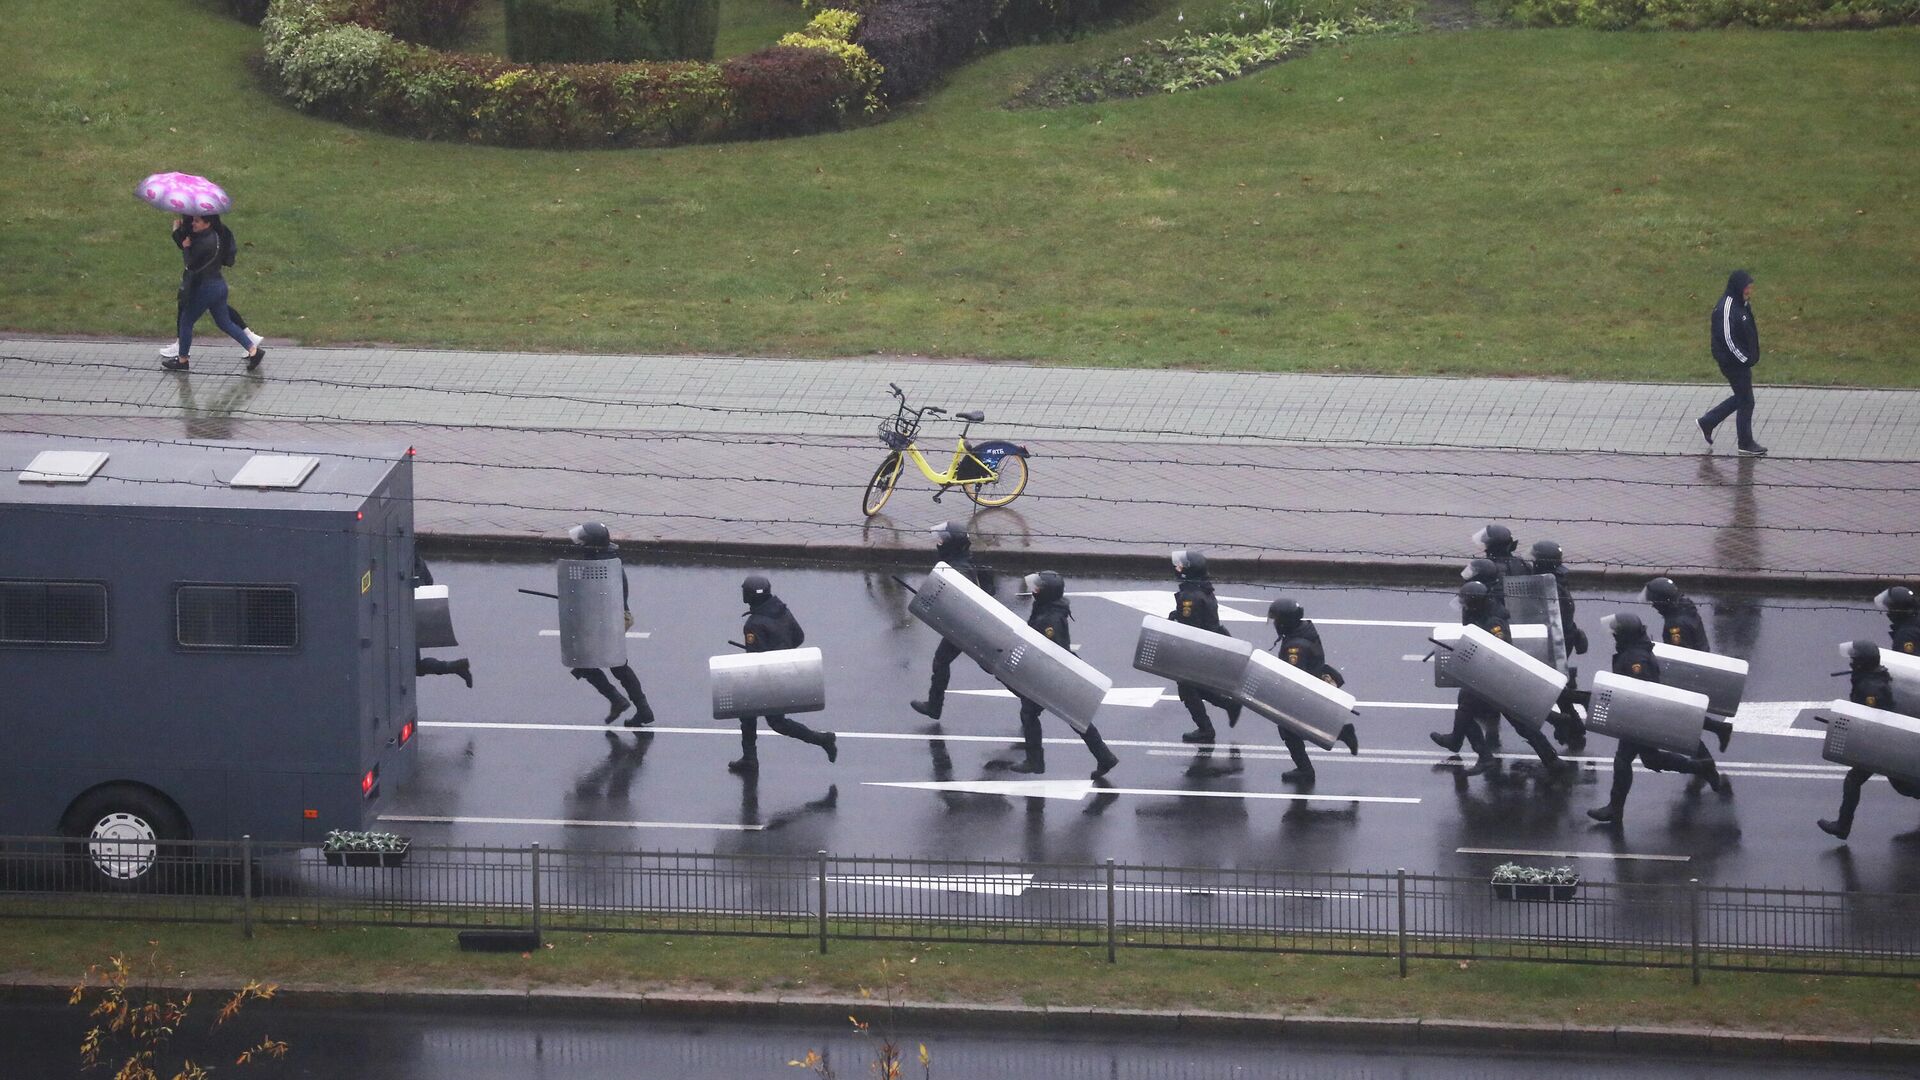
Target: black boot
x: 929, y: 709
x: 1608, y: 813
x: 1486, y: 764
x: 1233, y: 714
x: 1351, y: 738
x: 1445, y: 742
x: 642, y: 712
x: 1303, y: 776
x: 831, y: 744
x: 1103, y: 758
x: 749, y: 759
x: 1035, y: 762
x: 1203, y: 734
x: 1836, y: 829
x: 465, y: 670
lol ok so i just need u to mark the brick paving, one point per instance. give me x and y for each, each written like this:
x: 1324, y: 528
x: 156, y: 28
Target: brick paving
x: 709, y: 454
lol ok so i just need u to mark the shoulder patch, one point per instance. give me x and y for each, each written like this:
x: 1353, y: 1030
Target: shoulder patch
x: 749, y: 637
x: 1049, y: 631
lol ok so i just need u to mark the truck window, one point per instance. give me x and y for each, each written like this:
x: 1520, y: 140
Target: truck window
x: 254, y: 618
x: 54, y: 613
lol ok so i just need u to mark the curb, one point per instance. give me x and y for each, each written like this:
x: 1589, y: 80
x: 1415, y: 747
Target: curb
x: 800, y: 1009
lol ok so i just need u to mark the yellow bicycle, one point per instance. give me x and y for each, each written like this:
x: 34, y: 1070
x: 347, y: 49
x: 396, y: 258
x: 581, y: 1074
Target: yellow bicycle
x: 991, y: 473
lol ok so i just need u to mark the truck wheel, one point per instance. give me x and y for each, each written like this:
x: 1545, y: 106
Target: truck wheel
x: 123, y: 836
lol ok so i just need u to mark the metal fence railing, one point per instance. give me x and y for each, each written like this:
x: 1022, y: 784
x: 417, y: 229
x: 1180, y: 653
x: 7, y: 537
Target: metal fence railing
x: 822, y: 898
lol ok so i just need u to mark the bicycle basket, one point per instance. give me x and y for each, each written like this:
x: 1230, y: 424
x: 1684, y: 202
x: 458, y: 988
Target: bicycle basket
x: 896, y: 433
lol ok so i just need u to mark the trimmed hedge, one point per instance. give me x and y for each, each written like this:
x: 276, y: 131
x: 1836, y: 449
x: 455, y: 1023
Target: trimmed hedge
x: 588, y: 31
x: 328, y: 63
x: 1706, y: 14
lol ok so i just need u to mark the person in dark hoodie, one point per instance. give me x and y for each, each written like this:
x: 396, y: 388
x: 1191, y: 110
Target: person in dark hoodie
x: 1735, y: 339
x: 1297, y: 641
x: 1194, y: 605
x: 770, y: 627
x: 1052, y: 616
x: 1872, y: 686
x: 205, y: 290
x: 229, y: 249
x: 1681, y: 626
x: 1633, y: 657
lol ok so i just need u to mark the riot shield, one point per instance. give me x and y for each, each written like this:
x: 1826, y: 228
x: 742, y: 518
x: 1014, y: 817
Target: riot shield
x: 432, y: 619
x: 593, y: 626
x: 1634, y: 710
x: 1722, y: 678
x: 1531, y: 639
x: 1522, y: 688
x: 1063, y: 684
x: 1311, y: 708
x: 1906, y: 679
x: 767, y: 683
x: 1188, y: 654
x: 1866, y: 738
x: 1534, y: 600
x: 963, y: 613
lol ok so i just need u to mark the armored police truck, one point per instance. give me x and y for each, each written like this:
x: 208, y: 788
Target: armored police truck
x: 200, y: 641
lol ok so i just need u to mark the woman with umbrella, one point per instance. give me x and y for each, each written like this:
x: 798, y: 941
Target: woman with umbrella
x: 203, y: 246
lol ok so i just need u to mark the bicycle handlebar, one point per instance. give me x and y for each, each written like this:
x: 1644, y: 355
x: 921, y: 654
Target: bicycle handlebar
x: 935, y: 410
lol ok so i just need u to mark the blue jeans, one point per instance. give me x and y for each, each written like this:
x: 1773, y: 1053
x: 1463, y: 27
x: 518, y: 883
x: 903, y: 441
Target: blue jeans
x: 209, y: 296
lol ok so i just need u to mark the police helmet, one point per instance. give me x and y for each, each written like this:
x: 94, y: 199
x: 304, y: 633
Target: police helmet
x: 1190, y: 565
x: 1899, y: 598
x: 1863, y: 655
x: 1286, y: 613
x: 1546, y: 553
x: 1473, y: 596
x: 1624, y: 625
x: 755, y: 589
x: 1046, y: 585
x: 1481, y: 570
x: 591, y: 534
x: 1660, y: 590
x: 951, y: 536
x: 1495, y: 539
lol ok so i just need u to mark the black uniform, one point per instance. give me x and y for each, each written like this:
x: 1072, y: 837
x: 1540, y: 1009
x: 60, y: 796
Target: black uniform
x: 1872, y: 687
x: 960, y: 558
x: 427, y: 665
x: 1471, y: 710
x: 1301, y: 647
x: 1903, y: 627
x: 1194, y: 605
x: 1052, y: 616
x: 1567, y: 725
x: 1633, y: 657
x: 770, y: 627
x: 594, y: 677
x: 1681, y: 625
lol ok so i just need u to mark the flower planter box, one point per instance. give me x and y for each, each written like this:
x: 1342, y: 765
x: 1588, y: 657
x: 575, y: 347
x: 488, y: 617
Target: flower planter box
x: 1534, y: 891
x: 350, y: 857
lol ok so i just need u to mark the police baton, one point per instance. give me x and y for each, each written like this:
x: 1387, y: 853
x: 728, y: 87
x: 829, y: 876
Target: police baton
x: 737, y: 645
x: 900, y: 581
x: 537, y: 592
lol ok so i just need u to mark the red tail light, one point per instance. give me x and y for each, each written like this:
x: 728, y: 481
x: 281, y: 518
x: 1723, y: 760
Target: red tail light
x: 406, y: 732
x: 367, y: 781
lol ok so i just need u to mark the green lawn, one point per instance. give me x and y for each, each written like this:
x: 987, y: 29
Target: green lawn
x: 1032, y: 975
x: 1539, y: 202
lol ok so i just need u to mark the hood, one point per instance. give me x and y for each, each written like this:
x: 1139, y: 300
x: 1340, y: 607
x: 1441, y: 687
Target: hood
x: 1737, y: 283
x: 771, y: 606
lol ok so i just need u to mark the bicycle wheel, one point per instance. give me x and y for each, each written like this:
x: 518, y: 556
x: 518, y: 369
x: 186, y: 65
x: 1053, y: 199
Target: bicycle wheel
x: 881, y: 486
x: 1004, y: 487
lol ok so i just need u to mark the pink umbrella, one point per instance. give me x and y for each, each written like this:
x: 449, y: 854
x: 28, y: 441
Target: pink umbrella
x: 183, y: 193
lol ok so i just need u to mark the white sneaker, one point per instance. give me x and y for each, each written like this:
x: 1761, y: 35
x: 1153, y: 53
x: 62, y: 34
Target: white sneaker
x: 252, y: 338
x: 170, y: 350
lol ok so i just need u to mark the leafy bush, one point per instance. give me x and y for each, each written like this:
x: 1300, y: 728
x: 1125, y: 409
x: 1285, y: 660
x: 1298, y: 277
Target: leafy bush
x: 1703, y: 14
x: 348, y: 840
x: 788, y: 90
x: 1515, y: 874
x: 248, y: 11
x: 1022, y: 21
x: 424, y: 22
x: 829, y: 31
x: 595, y: 30
x: 917, y: 41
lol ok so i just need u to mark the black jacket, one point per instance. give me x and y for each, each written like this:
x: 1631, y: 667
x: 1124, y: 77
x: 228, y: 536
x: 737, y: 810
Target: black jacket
x: 1635, y: 660
x: 1576, y: 638
x: 1683, y: 626
x: 1905, y: 632
x: 1734, y: 335
x: 201, y: 257
x: 1050, y: 617
x: 1194, y: 605
x: 1874, y: 689
x: 1301, y: 648
x: 771, y: 626
x: 1511, y: 565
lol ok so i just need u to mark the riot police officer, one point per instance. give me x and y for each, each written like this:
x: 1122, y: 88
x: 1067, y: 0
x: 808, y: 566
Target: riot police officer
x: 1478, y: 608
x: 1051, y: 616
x: 1872, y: 686
x: 1194, y: 605
x: 1682, y: 626
x: 1498, y: 542
x: 1633, y: 657
x: 955, y: 548
x: 1568, y: 727
x: 771, y: 627
x: 428, y: 665
x: 596, y: 543
x: 1486, y: 572
x: 1297, y: 641
x: 1903, y: 619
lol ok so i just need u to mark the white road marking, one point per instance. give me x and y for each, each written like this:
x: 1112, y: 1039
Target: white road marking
x: 1019, y: 884
x: 1761, y: 770
x: 567, y: 822
x: 1132, y: 697
x: 1417, y: 657
x: 1776, y: 718
x: 1079, y: 789
x: 630, y: 633
x: 1160, y: 601
x: 979, y: 884
x: 1612, y: 855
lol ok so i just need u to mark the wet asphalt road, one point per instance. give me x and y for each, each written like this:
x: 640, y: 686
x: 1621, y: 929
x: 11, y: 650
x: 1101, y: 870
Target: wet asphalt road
x: 40, y: 1042
x: 524, y: 756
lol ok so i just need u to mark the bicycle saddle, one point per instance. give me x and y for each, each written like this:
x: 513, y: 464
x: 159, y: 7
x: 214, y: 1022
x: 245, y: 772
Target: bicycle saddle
x: 975, y: 416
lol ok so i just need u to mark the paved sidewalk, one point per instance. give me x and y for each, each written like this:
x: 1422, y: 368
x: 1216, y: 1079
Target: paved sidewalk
x: 708, y: 454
